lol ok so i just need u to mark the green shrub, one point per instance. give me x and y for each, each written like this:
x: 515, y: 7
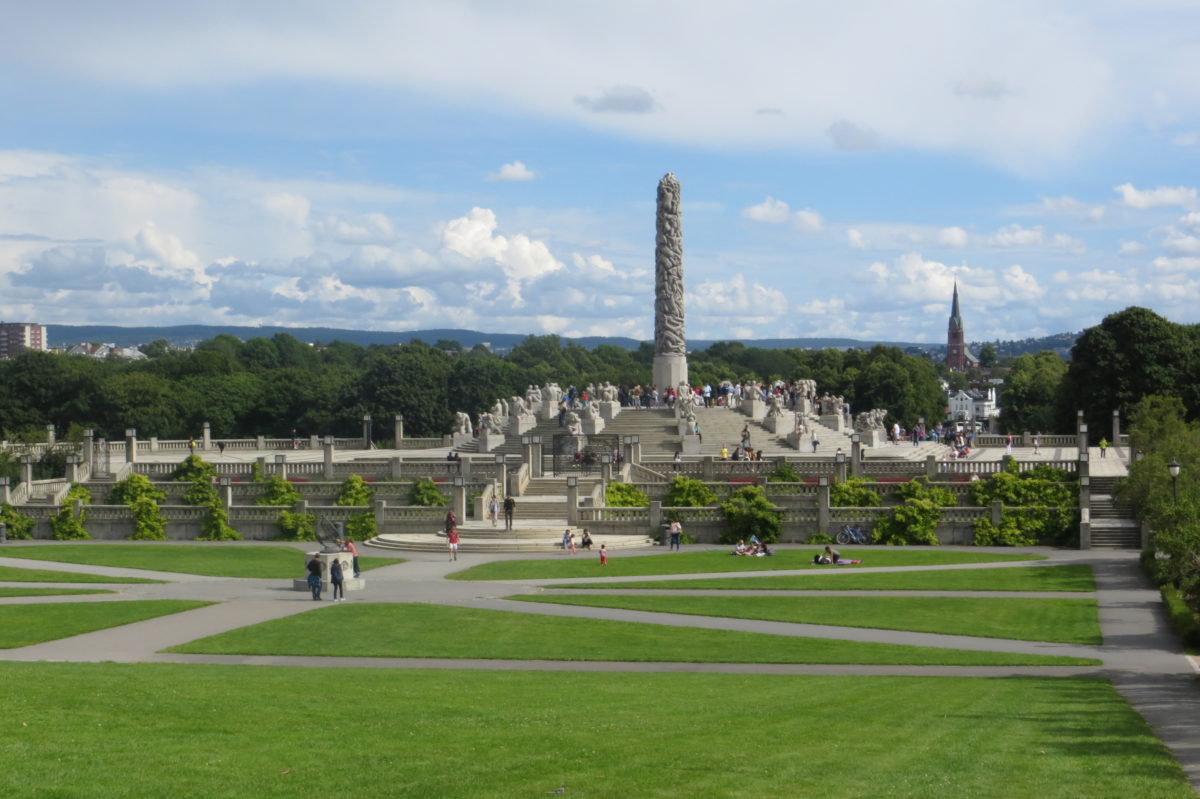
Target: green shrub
x: 820, y: 538
x: 214, y: 525
x: 688, y: 493
x: 1183, y: 619
x: 256, y: 472
x: 361, y: 526
x: 1149, y: 560
x: 425, y: 494
x: 279, y: 492
x: 19, y: 526
x: 194, y: 469
x: 784, y: 473
x: 920, y: 488
x: 852, y: 494
x: 296, y: 526
x: 625, y: 495
x: 748, y: 512
x: 64, y: 524
x: 148, y: 521
x: 1007, y: 534
x: 914, y: 522
x: 355, y: 492
x: 134, y: 487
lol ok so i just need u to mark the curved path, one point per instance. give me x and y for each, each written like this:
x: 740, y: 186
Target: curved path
x: 1139, y: 654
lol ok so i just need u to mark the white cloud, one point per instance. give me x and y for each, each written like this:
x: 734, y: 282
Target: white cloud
x: 1131, y: 248
x: 952, y: 237
x: 1183, y: 264
x: 776, y: 212
x: 737, y: 300
x: 1016, y: 236
x: 910, y: 278
x: 515, y: 171
x: 521, y: 258
x: 619, y: 100
x: 847, y: 135
x: 854, y: 238
x: 1073, y: 207
x: 1161, y: 197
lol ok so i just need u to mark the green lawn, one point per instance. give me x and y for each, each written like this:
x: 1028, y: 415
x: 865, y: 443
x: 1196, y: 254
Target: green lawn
x: 20, y: 591
x: 228, y: 732
x: 212, y: 560
x: 588, y: 565
x: 419, y: 630
x: 1072, y: 577
x: 22, y: 625
x: 14, y: 574
x: 1067, y: 621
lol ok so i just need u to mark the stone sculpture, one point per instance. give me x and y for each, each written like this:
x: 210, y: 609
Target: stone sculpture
x: 775, y: 405
x: 870, y: 420
x: 670, y: 344
x: 574, y: 425
x: 463, y: 422
x: 493, y: 424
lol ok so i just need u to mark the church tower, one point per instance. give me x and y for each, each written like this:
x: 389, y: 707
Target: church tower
x: 956, y: 348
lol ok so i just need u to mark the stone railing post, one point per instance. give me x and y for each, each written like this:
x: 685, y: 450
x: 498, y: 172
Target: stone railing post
x: 572, y: 500
x: 708, y: 468
x: 396, y: 468
x: 131, y: 445
x: 824, y: 517
x: 281, y: 466
x: 260, y: 442
x: 839, y: 467
x: 154, y: 443
x: 366, y: 431
x: 5, y: 491
x: 931, y: 467
x: 656, y: 517
x: 50, y: 439
x: 502, y: 475
x: 536, y: 465
x: 459, y: 498
x: 73, y: 468
x: 1082, y: 439
x: 1085, y: 528
x: 398, y: 429
x: 1116, y: 437
x: 380, y: 514
x: 1083, y: 469
x: 27, y: 474
x: 328, y: 453
x: 261, y: 460
x: 89, y: 444
x: 227, y: 492
x: 206, y: 436
x: 855, y: 454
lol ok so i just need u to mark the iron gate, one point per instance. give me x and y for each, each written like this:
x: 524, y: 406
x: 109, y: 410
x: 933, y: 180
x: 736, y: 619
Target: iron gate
x: 581, y: 454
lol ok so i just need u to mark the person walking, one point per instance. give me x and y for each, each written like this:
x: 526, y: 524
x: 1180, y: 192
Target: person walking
x: 1037, y: 444
x: 510, y: 505
x: 494, y: 509
x: 1103, y: 447
x: 314, y: 578
x: 676, y: 531
x: 336, y: 578
x: 452, y: 542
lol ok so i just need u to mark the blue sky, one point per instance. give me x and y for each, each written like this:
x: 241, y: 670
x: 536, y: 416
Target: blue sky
x: 492, y: 166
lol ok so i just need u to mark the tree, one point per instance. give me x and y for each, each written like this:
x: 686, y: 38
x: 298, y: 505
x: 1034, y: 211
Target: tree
x: 748, y: 513
x: 987, y: 356
x: 688, y: 493
x: 1032, y: 393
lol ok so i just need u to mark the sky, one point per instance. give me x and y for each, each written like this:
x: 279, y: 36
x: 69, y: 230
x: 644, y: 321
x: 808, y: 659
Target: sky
x: 493, y: 165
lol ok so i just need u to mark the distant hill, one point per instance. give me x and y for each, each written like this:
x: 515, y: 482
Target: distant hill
x: 187, y: 335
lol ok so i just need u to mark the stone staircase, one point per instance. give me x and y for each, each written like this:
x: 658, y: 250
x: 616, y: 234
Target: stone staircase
x: 1113, y: 524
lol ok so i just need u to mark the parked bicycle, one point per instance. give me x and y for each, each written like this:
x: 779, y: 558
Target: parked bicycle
x: 853, y: 534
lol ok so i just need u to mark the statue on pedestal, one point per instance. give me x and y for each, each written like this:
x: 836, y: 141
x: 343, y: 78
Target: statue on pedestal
x: 463, y: 422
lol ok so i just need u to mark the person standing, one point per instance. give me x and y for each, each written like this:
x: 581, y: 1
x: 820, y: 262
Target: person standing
x: 348, y: 546
x: 336, y: 578
x: 1103, y: 447
x: 510, y: 505
x: 603, y: 556
x: 1008, y: 442
x: 676, y: 531
x: 494, y: 509
x: 314, y: 578
x: 1037, y: 444
x: 452, y: 542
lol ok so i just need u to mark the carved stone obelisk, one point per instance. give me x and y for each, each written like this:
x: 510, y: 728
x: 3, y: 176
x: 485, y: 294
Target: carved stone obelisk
x: 670, y: 344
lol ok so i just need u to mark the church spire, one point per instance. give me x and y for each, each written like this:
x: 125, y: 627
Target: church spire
x: 955, y: 315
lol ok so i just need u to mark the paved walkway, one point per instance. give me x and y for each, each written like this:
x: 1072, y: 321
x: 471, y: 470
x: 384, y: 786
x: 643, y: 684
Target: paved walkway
x: 1139, y: 654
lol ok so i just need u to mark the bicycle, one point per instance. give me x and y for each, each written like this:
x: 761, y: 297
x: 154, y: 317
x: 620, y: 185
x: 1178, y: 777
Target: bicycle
x: 853, y: 534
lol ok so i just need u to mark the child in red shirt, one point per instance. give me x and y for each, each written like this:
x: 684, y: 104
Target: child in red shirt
x: 603, y: 556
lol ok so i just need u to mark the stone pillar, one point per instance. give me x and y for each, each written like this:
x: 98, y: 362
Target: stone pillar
x: 502, y: 475
x: 226, y: 492
x: 261, y: 460
x: 131, y: 445
x: 73, y: 468
x: 27, y: 472
x: 572, y: 500
x: 380, y: 514
x: 636, y: 449
x: 839, y: 467
x: 527, y: 451
x: 536, y: 465
x: 708, y: 468
x: 1083, y: 469
x: 281, y: 466
x: 670, y: 344
x: 931, y: 467
x: 260, y: 442
x: 395, y: 464
x: 328, y: 453
x: 1085, y: 528
x: 5, y: 491
x: 1116, y: 437
x: 398, y: 429
x: 206, y: 437
x: 366, y: 431
x: 154, y: 443
x: 606, y: 471
x: 459, y: 499
x: 1082, y: 439
x: 50, y: 434
x: 465, y: 468
x: 89, y: 447
x: 314, y: 442
x: 824, y: 517
x: 855, y: 454
x: 656, y: 517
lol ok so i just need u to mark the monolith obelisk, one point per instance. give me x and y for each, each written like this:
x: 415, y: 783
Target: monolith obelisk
x: 670, y: 344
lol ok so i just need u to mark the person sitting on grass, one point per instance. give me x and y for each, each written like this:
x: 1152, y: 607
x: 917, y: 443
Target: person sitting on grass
x: 739, y: 549
x: 764, y: 551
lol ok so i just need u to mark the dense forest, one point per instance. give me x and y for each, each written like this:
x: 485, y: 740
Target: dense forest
x: 271, y: 385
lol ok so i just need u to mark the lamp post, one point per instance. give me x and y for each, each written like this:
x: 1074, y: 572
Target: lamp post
x: 1173, y: 467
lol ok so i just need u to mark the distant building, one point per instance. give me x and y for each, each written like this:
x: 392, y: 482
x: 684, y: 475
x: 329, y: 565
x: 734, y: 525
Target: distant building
x: 16, y: 337
x: 958, y: 358
x: 102, y: 351
x: 976, y: 404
